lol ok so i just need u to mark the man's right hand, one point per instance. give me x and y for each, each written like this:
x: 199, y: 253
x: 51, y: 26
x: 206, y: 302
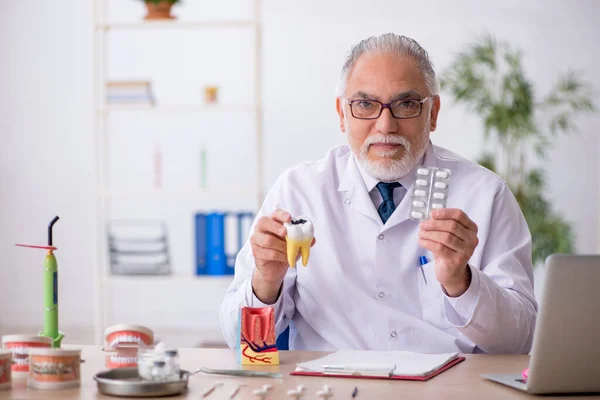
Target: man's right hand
x: 269, y: 248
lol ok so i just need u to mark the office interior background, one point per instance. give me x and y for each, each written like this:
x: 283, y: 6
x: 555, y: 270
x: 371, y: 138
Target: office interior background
x: 239, y: 91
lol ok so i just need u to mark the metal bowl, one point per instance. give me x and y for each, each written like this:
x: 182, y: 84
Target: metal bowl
x: 126, y: 382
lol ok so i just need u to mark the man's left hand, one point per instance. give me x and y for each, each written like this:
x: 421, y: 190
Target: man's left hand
x: 452, y: 238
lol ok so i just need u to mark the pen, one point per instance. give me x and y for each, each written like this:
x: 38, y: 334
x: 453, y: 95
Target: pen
x: 355, y: 391
x: 423, y: 261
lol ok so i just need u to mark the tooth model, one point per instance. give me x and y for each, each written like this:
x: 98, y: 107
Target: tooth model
x: 300, y: 233
x: 258, y: 343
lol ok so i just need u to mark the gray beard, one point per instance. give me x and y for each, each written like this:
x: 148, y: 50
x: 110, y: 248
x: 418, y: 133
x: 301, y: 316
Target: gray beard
x: 391, y: 170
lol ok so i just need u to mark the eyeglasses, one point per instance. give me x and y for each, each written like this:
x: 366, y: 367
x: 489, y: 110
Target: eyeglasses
x: 400, y: 109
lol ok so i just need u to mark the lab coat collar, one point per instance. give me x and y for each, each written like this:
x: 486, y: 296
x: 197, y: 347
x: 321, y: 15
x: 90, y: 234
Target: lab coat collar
x: 357, y: 194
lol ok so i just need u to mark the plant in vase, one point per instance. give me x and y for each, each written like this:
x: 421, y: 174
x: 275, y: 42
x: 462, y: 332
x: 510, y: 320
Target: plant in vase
x: 159, y: 9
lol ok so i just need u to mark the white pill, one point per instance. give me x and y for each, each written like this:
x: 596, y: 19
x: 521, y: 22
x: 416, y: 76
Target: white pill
x: 421, y: 182
x: 440, y: 196
x: 423, y: 171
x: 437, y: 205
x: 441, y: 174
x: 420, y: 192
x: 441, y: 185
x: 418, y: 203
x: 417, y: 215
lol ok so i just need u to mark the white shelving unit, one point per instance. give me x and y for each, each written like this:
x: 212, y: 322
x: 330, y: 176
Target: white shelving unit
x: 191, y: 194
x: 103, y: 27
x: 179, y: 108
x: 176, y: 25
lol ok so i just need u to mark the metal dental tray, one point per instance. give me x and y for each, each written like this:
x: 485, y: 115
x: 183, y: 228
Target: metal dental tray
x: 126, y: 382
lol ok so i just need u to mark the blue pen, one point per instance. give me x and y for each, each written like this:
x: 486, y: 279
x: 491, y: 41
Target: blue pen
x: 423, y: 261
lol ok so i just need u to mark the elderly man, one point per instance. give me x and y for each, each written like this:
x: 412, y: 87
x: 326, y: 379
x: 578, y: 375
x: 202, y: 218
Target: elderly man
x: 364, y: 287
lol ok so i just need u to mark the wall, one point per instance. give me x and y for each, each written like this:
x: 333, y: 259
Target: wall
x: 46, y: 155
x: 46, y: 117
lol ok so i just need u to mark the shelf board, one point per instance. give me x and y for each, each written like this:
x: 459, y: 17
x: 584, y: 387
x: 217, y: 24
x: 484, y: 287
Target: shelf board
x: 176, y: 278
x: 175, y: 24
x: 174, y: 195
x: 170, y: 108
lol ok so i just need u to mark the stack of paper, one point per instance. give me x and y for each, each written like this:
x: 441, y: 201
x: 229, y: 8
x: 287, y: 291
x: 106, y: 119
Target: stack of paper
x: 377, y: 363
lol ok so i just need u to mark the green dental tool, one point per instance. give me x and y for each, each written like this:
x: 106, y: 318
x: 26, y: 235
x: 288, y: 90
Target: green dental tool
x: 50, y: 290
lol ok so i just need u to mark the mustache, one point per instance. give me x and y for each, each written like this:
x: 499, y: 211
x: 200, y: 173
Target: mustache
x: 387, y: 139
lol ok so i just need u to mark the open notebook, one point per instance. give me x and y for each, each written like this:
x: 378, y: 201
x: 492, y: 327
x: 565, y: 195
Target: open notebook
x: 379, y: 364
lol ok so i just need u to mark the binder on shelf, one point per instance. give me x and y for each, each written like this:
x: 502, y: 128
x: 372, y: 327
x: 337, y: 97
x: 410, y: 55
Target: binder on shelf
x: 219, y: 237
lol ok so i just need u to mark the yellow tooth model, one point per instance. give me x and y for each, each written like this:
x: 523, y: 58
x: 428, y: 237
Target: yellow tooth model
x: 300, y: 233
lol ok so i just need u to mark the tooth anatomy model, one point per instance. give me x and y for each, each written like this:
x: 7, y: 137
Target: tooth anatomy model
x: 258, y: 343
x: 300, y: 233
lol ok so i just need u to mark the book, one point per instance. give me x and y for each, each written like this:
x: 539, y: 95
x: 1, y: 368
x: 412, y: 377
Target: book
x: 129, y: 92
x: 379, y: 364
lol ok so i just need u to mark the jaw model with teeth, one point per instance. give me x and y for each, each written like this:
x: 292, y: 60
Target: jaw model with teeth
x: 20, y: 345
x: 123, y: 341
x: 5, y: 375
x: 54, y: 368
x: 300, y: 233
x: 127, y: 336
x: 118, y: 361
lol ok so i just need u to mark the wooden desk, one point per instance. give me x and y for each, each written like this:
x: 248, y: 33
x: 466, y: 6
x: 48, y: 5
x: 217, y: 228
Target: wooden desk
x: 460, y: 382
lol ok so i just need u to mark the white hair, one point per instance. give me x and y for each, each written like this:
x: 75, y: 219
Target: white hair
x: 390, y: 43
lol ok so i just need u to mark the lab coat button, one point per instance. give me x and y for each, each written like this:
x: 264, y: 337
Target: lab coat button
x: 381, y: 236
x: 381, y: 295
x: 347, y: 201
x: 393, y: 334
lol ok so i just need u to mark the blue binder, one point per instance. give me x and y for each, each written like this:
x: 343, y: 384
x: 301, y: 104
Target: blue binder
x: 211, y: 257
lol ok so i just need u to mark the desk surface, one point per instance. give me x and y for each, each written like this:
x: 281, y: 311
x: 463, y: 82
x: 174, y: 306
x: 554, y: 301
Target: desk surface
x: 459, y: 382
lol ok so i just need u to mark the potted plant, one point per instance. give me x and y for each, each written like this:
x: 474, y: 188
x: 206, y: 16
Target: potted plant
x: 159, y: 9
x: 518, y: 123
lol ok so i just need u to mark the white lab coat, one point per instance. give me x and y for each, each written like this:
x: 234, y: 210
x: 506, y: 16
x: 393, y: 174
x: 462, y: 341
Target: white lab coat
x: 363, y: 287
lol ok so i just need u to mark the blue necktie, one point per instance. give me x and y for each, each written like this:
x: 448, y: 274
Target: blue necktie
x: 386, y: 189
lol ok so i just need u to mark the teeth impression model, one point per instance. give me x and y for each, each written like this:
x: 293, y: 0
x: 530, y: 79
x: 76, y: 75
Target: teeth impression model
x: 300, y: 233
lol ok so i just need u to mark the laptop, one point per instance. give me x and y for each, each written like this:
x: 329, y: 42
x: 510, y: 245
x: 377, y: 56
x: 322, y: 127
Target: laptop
x: 565, y: 357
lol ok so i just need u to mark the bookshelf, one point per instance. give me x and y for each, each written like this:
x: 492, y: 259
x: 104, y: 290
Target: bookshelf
x: 107, y: 286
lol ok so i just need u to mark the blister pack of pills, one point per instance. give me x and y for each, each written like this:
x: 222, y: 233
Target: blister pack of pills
x: 430, y: 191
